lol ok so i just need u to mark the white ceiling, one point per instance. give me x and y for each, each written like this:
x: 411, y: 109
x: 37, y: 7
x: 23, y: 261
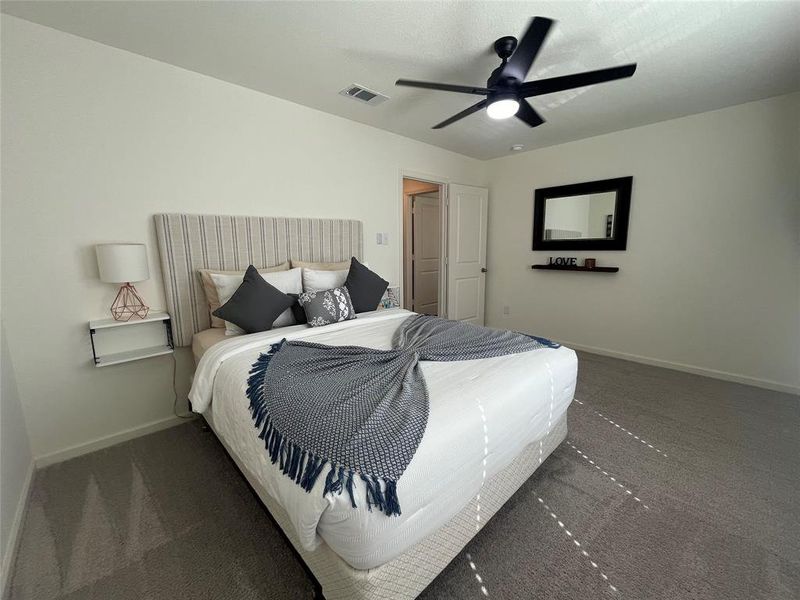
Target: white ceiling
x: 692, y: 56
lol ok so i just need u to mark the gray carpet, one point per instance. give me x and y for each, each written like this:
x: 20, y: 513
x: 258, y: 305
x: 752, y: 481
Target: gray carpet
x: 670, y: 486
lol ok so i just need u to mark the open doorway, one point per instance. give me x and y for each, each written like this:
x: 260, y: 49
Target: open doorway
x: 422, y: 246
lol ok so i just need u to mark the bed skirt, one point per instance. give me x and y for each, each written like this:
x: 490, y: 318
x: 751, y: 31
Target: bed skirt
x: 404, y: 577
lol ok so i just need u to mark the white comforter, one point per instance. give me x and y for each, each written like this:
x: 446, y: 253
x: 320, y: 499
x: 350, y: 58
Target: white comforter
x: 520, y: 396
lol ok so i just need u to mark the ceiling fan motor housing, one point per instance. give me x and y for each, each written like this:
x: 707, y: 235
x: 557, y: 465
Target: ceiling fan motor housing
x: 505, y: 46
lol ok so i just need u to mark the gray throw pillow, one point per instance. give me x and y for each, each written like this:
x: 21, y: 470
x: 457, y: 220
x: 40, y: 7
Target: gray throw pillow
x: 366, y: 287
x: 255, y: 304
x: 327, y: 306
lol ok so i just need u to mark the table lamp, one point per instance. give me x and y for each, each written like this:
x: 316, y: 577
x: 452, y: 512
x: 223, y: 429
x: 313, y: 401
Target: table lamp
x: 123, y: 263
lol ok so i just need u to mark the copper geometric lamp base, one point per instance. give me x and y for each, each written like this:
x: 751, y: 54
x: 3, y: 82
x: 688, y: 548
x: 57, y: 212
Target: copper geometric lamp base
x: 128, y: 303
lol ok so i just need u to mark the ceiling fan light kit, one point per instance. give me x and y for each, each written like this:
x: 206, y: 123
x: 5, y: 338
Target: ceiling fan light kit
x: 506, y: 89
x: 503, y: 108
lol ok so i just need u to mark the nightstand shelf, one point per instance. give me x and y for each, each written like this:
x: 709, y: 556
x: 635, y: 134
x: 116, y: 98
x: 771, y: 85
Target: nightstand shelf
x: 119, y: 355
x: 129, y: 355
x: 106, y: 323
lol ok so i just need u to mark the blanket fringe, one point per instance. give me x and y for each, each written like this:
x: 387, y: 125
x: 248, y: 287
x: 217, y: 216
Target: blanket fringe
x: 304, y: 467
x: 543, y: 341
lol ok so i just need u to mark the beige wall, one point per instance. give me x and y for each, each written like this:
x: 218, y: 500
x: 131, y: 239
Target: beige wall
x: 710, y: 277
x: 95, y: 141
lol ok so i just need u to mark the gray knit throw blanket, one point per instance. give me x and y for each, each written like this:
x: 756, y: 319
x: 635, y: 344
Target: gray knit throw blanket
x: 360, y: 411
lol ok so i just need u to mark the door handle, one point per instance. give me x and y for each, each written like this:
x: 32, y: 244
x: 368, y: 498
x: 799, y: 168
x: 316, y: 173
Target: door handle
x: 483, y: 269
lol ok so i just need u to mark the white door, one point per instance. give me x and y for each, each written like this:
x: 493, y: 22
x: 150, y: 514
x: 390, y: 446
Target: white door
x: 466, y: 252
x: 425, y: 255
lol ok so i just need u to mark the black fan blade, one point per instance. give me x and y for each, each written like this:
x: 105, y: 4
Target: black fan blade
x: 568, y: 82
x: 464, y: 113
x: 445, y: 87
x: 527, y: 114
x: 520, y: 62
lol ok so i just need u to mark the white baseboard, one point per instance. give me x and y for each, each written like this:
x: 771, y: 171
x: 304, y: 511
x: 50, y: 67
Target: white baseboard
x: 657, y: 362
x: 12, y: 543
x: 106, y: 441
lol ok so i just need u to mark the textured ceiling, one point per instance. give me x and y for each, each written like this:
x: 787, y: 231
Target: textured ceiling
x: 692, y: 56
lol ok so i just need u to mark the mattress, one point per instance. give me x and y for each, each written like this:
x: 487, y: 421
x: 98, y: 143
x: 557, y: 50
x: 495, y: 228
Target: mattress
x: 483, y: 414
x: 203, y: 340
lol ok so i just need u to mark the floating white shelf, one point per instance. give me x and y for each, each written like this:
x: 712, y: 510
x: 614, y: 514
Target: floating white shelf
x: 118, y: 357
x: 106, y: 323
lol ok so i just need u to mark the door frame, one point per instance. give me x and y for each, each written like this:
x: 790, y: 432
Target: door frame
x: 443, y: 183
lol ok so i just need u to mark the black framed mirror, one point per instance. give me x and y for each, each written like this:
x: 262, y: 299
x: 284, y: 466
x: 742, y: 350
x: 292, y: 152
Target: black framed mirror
x: 583, y: 216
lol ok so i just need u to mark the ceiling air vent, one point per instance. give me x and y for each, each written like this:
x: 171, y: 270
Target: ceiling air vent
x: 359, y: 92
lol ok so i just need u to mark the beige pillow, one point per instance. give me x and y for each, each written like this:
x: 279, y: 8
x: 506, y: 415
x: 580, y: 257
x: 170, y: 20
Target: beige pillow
x: 317, y: 280
x: 321, y: 266
x: 211, y: 290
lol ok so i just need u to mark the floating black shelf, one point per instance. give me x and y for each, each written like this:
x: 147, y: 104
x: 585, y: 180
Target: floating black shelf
x: 571, y: 268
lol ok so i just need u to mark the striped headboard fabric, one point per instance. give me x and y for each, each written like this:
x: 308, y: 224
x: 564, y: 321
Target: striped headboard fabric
x: 187, y: 243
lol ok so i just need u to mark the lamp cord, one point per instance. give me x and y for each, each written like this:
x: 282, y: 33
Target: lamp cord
x: 175, y: 390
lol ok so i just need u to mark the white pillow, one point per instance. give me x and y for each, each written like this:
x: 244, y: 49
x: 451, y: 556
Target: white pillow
x: 289, y: 282
x: 316, y: 281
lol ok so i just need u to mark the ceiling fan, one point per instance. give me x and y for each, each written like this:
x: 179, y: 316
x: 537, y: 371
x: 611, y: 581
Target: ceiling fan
x: 506, y: 89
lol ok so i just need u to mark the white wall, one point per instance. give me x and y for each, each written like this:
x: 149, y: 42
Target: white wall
x: 95, y: 141
x: 16, y: 463
x: 710, y: 276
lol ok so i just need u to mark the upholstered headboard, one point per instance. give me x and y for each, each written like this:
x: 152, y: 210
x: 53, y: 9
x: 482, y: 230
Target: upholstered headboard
x: 187, y: 243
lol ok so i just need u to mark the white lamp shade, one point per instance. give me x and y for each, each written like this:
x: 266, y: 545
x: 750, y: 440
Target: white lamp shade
x: 120, y: 263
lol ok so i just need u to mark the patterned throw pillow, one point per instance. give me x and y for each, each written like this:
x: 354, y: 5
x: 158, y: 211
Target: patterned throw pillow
x: 327, y: 306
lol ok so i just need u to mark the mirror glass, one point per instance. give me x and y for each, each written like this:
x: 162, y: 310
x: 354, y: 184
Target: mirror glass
x: 588, y: 216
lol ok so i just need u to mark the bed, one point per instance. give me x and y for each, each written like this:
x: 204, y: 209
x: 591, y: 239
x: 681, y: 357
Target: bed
x: 479, y: 447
